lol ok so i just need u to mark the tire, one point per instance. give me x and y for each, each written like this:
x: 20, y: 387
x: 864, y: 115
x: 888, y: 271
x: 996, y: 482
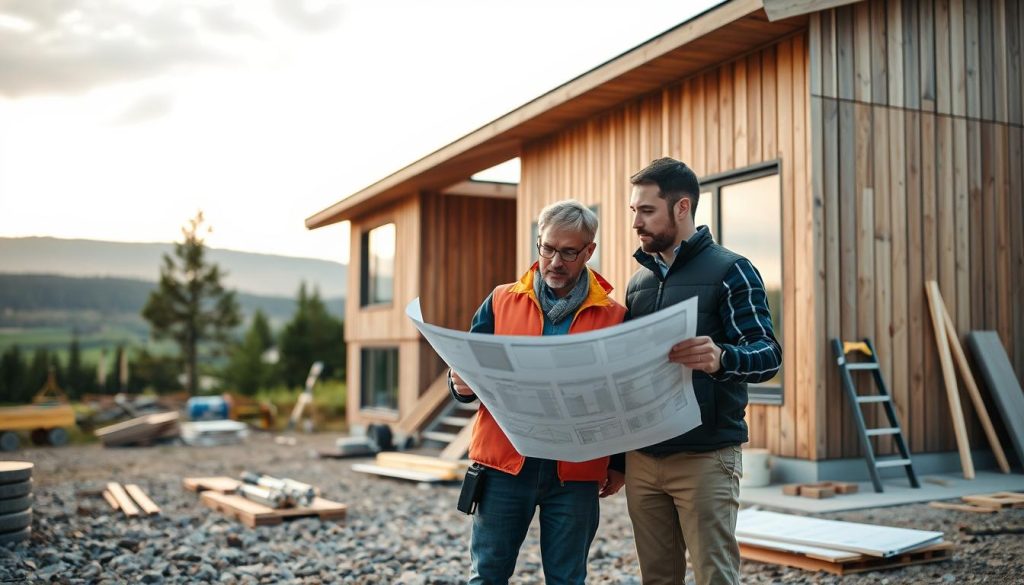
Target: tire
x: 15, y: 471
x: 9, y: 441
x: 57, y: 437
x: 16, y: 521
x: 20, y: 535
x: 12, y: 505
x: 15, y: 490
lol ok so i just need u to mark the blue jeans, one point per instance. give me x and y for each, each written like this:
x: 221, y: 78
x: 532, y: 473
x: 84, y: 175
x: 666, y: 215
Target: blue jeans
x: 569, y: 514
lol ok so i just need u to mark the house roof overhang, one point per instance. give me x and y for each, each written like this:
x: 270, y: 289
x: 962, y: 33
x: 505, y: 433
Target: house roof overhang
x: 728, y: 30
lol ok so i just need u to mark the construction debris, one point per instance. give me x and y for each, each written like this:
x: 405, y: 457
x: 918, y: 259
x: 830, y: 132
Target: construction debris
x: 821, y: 489
x: 834, y: 546
x: 212, y: 433
x: 144, y: 430
x: 285, y: 492
x: 240, y: 500
x: 129, y: 499
x: 421, y: 468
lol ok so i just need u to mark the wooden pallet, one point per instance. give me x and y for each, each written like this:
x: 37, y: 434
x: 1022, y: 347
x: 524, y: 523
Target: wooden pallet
x: 253, y: 514
x: 997, y: 501
x: 861, y: 564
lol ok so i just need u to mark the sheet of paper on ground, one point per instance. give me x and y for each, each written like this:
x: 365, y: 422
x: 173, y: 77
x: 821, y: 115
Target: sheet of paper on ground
x: 581, y: 396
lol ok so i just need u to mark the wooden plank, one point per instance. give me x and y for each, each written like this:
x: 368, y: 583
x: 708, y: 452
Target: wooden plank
x: 882, y: 244
x: 879, y: 53
x: 926, y: 54
x: 943, y: 73
x: 899, y: 314
x: 972, y: 390
x: 935, y: 441
x: 941, y: 552
x: 998, y: 501
x: 401, y: 473
x: 837, y: 407
x: 140, y: 497
x: 450, y: 469
x: 894, y: 33
x: 961, y: 507
x: 814, y: 552
x: 972, y: 59
x: 957, y: 59
x: 111, y: 500
x: 962, y: 222
x: 959, y: 428
x: 124, y: 503
x: 862, y: 41
x: 917, y: 336
x: 848, y: 215
x: 845, y: 49
x: 1002, y: 383
x: 782, y: 9
x: 220, y: 484
x: 911, y: 49
x: 786, y: 130
x: 865, y: 235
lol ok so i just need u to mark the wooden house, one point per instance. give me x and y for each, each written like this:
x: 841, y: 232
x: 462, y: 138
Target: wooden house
x: 853, y: 150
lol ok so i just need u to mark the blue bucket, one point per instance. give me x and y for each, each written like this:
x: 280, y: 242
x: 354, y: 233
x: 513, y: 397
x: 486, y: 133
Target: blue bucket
x: 207, y: 408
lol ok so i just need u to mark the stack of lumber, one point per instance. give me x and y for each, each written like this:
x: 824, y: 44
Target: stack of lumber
x: 15, y: 501
x: 221, y: 494
x: 836, y: 547
x: 130, y: 499
x: 421, y: 468
x: 144, y: 430
x: 821, y: 489
x: 984, y: 503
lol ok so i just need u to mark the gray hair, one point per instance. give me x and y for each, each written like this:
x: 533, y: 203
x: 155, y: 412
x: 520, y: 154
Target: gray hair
x: 568, y: 214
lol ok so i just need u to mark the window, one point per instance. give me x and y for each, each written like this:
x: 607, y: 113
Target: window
x: 379, y: 383
x: 378, y: 265
x: 743, y: 209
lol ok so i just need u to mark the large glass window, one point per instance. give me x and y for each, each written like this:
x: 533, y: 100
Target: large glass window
x: 379, y: 383
x: 743, y: 209
x: 378, y: 265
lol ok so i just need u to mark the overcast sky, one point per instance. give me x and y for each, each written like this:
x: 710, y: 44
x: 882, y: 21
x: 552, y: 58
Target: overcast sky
x: 119, y: 119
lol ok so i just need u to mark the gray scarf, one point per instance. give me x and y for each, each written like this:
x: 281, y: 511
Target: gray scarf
x: 555, y: 308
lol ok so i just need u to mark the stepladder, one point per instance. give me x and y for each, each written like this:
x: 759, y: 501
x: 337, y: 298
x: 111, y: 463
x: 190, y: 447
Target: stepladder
x: 866, y: 362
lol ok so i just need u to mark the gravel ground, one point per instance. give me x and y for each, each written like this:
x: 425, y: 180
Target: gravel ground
x: 396, y: 532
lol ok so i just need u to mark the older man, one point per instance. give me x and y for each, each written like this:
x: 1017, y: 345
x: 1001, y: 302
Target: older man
x: 558, y: 295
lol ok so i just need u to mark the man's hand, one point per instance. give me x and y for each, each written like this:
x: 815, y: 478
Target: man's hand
x: 612, y: 484
x: 460, y: 386
x: 697, y: 353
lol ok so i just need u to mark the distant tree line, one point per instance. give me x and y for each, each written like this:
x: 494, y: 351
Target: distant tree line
x: 312, y: 334
x: 191, y: 307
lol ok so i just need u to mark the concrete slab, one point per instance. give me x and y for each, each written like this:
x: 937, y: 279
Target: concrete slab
x: 897, y: 492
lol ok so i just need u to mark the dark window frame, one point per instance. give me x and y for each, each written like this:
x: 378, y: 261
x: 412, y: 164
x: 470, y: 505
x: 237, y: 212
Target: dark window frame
x: 366, y: 371
x: 770, y: 394
x: 364, y: 269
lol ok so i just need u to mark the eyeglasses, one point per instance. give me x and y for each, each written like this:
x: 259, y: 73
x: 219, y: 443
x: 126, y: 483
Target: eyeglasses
x: 566, y: 255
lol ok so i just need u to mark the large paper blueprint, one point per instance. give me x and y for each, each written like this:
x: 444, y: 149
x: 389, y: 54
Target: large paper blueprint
x: 581, y: 396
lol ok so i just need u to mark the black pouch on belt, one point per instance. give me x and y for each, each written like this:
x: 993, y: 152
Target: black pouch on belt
x: 472, y: 489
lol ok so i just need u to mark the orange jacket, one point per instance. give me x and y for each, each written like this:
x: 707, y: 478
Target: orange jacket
x: 517, y: 312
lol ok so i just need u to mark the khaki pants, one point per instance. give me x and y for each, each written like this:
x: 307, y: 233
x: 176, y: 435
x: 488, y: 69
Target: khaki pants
x: 685, y: 501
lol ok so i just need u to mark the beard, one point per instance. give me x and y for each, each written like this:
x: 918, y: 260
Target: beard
x: 660, y: 242
x: 557, y: 280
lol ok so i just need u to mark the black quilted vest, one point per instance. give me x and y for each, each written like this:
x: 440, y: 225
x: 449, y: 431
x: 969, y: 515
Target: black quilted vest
x: 698, y: 270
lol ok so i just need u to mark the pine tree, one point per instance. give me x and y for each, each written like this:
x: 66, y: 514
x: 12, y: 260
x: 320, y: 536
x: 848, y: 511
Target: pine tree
x: 13, y: 376
x: 75, y: 384
x: 38, y: 370
x: 312, y: 335
x: 190, y: 305
x: 246, y: 370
